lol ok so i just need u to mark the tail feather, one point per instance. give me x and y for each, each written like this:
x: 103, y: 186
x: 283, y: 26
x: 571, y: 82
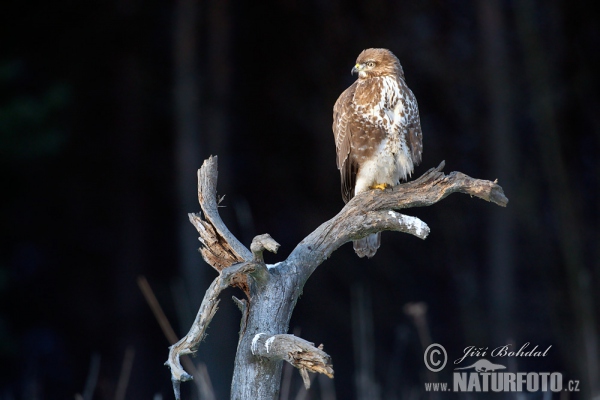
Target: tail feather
x: 367, y: 246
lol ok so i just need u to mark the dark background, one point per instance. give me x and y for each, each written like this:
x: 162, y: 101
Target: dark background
x: 107, y: 109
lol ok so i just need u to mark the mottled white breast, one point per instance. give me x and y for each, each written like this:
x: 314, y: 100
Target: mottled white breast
x: 392, y: 161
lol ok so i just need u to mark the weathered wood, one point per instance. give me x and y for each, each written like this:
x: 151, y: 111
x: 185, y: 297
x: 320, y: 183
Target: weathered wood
x: 220, y: 249
x: 190, y: 342
x: 272, y: 290
x: 296, y: 351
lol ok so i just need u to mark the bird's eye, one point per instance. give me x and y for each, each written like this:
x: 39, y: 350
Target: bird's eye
x: 370, y: 64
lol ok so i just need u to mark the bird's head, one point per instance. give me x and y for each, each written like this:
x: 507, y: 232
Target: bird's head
x: 377, y: 62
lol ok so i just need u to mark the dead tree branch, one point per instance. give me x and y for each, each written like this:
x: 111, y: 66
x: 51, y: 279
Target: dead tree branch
x: 272, y: 291
x: 190, y: 342
x: 296, y: 351
x: 220, y: 249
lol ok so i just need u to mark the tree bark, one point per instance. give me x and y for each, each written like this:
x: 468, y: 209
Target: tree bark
x: 272, y: 290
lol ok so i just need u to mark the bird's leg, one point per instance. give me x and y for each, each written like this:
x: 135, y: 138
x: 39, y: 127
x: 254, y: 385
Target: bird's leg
x: 381, y: 186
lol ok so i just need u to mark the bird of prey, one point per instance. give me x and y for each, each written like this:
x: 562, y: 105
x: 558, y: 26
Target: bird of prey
x: 377, y: 131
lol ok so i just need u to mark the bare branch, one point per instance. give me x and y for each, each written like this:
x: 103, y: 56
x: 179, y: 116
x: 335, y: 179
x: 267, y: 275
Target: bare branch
x: 219, y: 248
x: 207, y: 196
x: 434, y: 186
x: 202, y: 378
x: 296, y: 351
x: 190, y: 342
x: 394, y: 221
x: 371, y: 212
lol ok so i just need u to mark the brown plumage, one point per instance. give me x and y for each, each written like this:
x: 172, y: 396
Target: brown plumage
x: 377, y: 131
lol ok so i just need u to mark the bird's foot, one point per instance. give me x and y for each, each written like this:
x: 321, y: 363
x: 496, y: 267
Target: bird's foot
x: 381, y: 186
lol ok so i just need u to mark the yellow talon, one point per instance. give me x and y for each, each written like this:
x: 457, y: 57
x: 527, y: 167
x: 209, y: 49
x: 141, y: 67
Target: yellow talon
x: 380, y: 186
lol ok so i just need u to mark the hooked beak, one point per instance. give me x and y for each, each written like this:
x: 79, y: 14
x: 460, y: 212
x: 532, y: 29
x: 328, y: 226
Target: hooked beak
x: 357, y: 68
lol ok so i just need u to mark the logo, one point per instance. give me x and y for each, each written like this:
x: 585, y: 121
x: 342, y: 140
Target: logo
x: 489, y: 376
x: 435, y: 350
x: 484, y: 365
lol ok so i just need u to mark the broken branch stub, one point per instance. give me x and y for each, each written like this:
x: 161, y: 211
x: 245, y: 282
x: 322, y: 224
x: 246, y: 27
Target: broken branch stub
x: 261, y: 243
x: 298, y: 352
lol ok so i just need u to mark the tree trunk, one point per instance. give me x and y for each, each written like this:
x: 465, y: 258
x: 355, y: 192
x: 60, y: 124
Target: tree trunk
x: 269, y: 313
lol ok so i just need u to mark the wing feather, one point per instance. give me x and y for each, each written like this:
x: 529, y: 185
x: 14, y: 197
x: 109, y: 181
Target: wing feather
x: 342, y: 132
x: 414, y: 134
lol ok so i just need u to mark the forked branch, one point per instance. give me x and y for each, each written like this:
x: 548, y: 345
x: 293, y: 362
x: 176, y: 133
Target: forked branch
x: 190, y: 342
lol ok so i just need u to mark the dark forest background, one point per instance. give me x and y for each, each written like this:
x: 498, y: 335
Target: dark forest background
x: 107, y: 109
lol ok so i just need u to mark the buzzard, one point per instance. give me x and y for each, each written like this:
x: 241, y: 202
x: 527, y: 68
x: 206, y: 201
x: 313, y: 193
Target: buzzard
x: 377, y: 131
